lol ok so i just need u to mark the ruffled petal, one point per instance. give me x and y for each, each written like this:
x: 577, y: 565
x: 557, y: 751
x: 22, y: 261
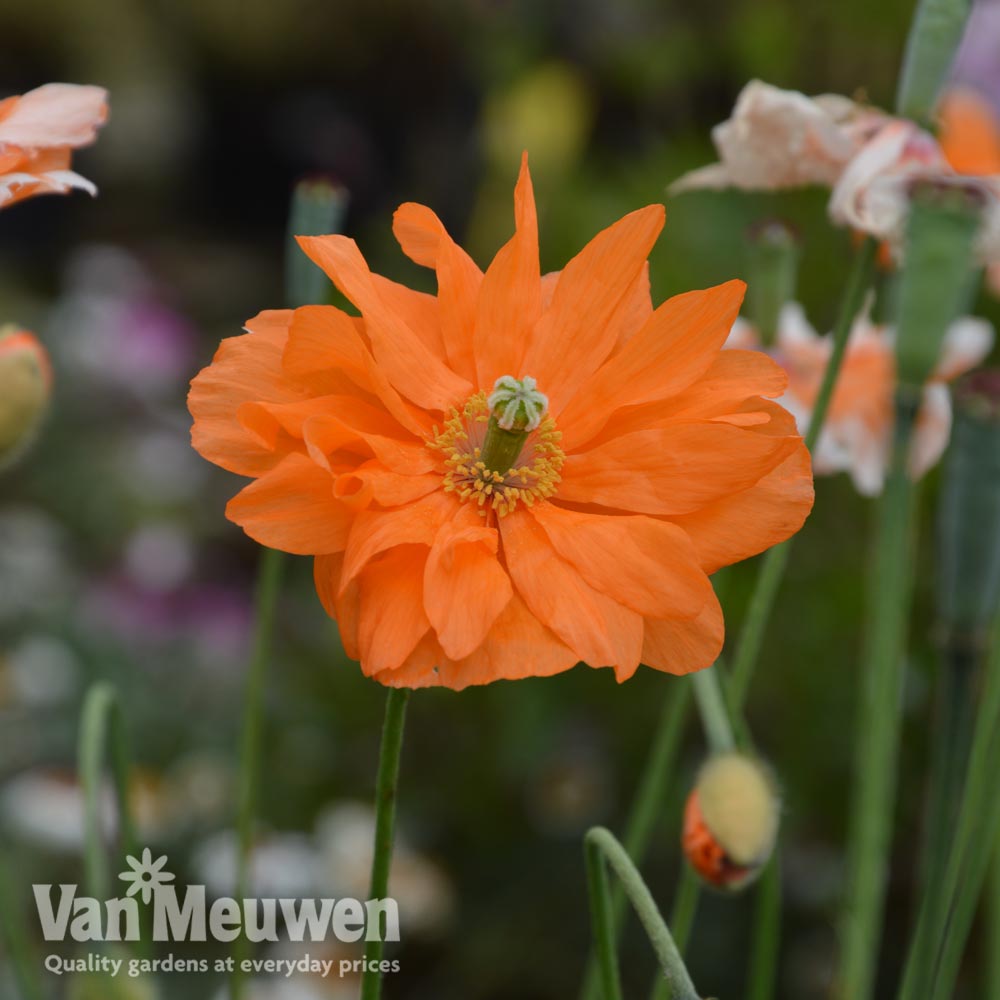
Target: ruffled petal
x: 411, y: 367
x: 682, y: 647
x: 969, y: 133
x: 645, y: 564
x: 599, y: 630
x: 670, y: 470
x: 56, y: 114
x: 465, y: 587
x: 424, y: 239
x: 679, y: 342
x: 292, y: 508
x: 510, y: 297
x: 342, y: 607
x: 391, y: 619
x: 743, y: 524
x: 590, y: 288
x: 245, y: 369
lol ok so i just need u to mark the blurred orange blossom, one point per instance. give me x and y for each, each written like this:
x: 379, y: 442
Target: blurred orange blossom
x: 516, y: 474
x: 38, y: 133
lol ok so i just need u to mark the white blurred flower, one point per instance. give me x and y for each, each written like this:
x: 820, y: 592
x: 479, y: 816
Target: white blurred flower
x: 38, y: 671
x: 281, y: 865
x: 160, y: 556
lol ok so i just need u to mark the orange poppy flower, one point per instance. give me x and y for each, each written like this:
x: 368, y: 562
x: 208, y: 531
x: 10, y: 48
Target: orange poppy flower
x: 38, y: 133
x: 514, y: 475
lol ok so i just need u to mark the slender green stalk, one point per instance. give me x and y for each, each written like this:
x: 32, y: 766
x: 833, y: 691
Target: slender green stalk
x: 766, y: 941
x: 602, y: 922
x: 682, y: 917
x: 712, y: 708
x: 265, y: 604
x: 774, y: 562
x: 15, y: 941
x: 385, y: 823
x: 993, y: 928
x: 945, y: 920
x: 646, y: 806
x: 102, y: 732
x: 880, y: 717
x: 601, y: 845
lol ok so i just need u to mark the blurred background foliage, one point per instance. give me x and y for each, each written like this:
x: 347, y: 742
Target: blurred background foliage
x: 115, y: 557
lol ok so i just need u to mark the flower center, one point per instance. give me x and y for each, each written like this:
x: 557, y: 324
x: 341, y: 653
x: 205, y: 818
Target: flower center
x: 502, y: 449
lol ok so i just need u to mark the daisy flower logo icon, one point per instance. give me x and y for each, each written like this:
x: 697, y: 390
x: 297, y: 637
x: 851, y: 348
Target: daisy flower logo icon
x: 146, y: 875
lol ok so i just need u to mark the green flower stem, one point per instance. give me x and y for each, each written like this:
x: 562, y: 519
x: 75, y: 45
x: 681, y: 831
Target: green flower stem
x: 646, y: 807
x: 265, y: 602
x: 946, y: 917
x: 775, y: 560
x: 385, y: 822
x: 766, y: 941
x: 601, y: 845
x: 102, y: 731
x: 14, y: 940
x: 712, y: 708
x: 934, y: 38
x: 880, y: 717
x: 993, y: 928
x: 682, y: 921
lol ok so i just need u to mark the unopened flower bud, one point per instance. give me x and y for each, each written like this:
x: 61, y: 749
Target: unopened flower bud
x: 731, y: 820
x: 25, y: 388
x: 772, y: 276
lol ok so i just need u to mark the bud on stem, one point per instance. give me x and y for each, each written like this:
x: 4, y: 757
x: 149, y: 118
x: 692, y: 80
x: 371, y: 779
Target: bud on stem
x: 772, y: 275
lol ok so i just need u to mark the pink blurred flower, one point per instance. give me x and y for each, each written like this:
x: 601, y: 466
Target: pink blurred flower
x: 38, y: 133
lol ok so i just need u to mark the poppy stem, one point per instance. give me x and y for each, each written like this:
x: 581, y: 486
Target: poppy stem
x: 682, y: 916
x: 602, y: 847
x: 712, y: 708
x: 385, y: 823
x: 646, y: 806
x: 102, y: 732
x: 946, y: 917
x: 15, y: 942
x: 880, y: 717
x: 265, y: 602
x: 775, y: 560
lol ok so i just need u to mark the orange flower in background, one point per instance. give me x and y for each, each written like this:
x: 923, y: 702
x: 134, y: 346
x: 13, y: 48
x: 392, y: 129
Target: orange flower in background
x: 38, y: 133
x: 857, y: 432
x: 518, y: 473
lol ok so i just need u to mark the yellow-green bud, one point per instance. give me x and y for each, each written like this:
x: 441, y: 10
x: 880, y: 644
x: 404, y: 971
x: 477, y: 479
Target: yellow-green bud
x: 25, y: 388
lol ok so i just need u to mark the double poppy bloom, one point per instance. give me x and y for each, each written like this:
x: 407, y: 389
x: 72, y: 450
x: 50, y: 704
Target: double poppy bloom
x: 517, y: 474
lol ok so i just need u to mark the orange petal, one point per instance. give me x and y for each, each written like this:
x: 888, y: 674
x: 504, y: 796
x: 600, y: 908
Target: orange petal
x: 679, y: 342
x: 418, y: 310
x: 746, y: 523
x: 391, y: 619
x: 590, y: 288
x: 325, y: 344
x: 292, y: 508
x: 419, y: 670
x: 412, y: 368
x: 424, y: 239
x: 56, y: 114
x: 675, y: 469
x: 969, y: 133
x: 645, y: 564
x: 374, y: 531
x: 681, y: 647
x: 341, y: 607
x: 465, y: 587
x: 517, y: 645
x: 245, y: 369
x: 388, y: 489
x: 510, y: 296
x: 599, y: 630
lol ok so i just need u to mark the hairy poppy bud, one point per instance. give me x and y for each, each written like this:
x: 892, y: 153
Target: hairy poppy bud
x: 731, y: 820
x: 25, y: 387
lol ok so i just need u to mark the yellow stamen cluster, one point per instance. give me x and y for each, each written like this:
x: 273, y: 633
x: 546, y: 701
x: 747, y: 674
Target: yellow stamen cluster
x: 493, y: 489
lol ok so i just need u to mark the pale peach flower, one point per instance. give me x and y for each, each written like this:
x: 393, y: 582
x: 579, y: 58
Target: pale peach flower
x: 38, y: 133
x: 780, y: 138
x: 857, y: 434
